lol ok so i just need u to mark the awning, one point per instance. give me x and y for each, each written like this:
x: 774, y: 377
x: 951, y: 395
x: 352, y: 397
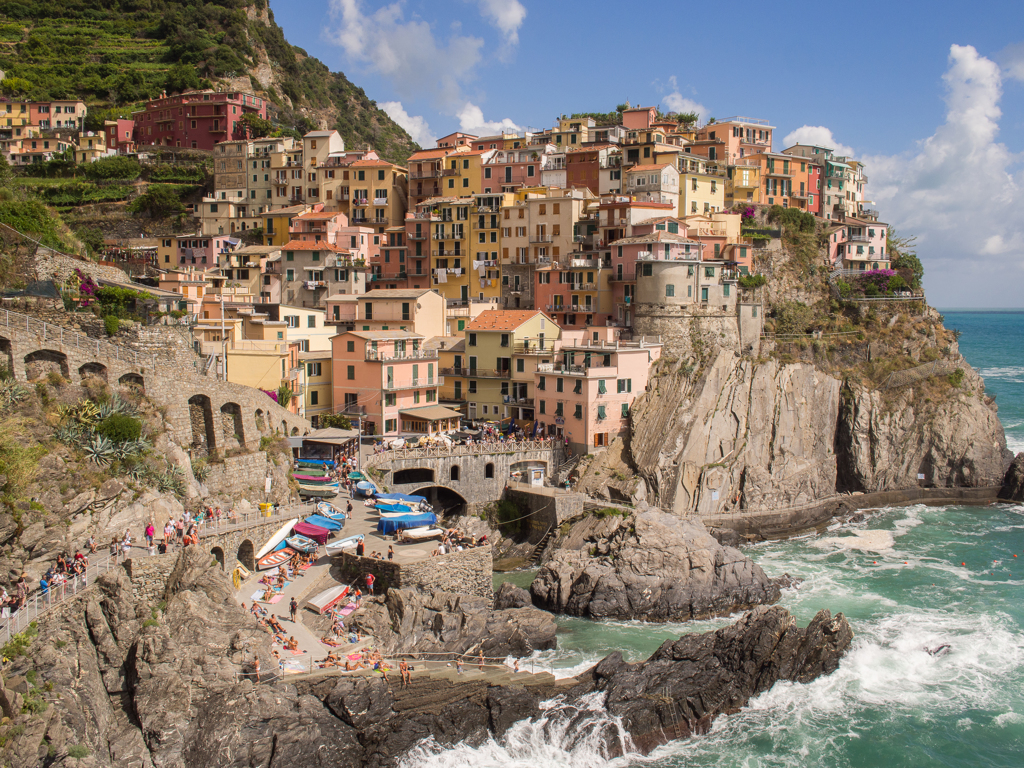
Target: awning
x: 431, y: 413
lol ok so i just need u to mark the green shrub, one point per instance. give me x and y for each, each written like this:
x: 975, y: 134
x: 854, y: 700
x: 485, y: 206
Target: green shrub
x: 793, y: 317
x: 956, y: 378
x: 77, y: 751
x: 897, y: 283
x: 116, y: 167
x: 55, y: 380
x: 111, y: 325
x: 119, y: 428
x: 158, y: 202
x: 752, y: 281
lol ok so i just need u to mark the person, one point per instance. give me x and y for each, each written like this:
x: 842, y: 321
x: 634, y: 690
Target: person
x: 150, y: 531
x: 91, y: 544
x: 458, y: 665
x: 292, y: 644
x: 256, y: 668
x: 481, y: 658
x: 348, y: 508
x: 369, y: 584
x: 293, y: 608
x: 384, y: 673
x: 403, y: 667
x: 115, y: 548
x: 358, y: 598
x: 515, y: 666
x: 391, y: 552
x: 360, y: 547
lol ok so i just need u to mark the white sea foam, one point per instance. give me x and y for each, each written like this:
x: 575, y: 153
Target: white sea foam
x: 870, y: 541
x: 1011, y: 373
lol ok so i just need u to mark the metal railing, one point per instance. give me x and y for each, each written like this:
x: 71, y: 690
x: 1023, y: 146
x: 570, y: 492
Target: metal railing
x: 386, y: 456
x: 62, y: 336
x: 477, y: 373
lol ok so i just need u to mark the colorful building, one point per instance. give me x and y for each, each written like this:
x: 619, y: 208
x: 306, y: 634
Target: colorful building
x: 196, y: 119
x: 420, y: 311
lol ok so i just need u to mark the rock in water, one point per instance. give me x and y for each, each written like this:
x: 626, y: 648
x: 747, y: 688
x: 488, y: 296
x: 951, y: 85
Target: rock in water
x: 688, y: 682
x: 1013, y: 483
x: 654, y: 567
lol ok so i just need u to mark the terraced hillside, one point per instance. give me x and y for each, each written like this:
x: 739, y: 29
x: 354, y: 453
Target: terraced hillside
x: 119, y: 52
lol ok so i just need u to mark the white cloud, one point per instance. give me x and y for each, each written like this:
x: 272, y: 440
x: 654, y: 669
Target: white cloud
x: 471, y: 120
x: 415, y: 125
x: 819, y: 136
x: 504, y: 15
x: 1012, y: 58
x: 960, y: 192
x: 676, y: 102
x: 406, y: 51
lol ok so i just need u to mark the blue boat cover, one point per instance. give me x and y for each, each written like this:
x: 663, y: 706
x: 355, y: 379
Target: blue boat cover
x: 324, y: 522
x: 390, y: 525
x: 401, y: 497
x: 394, y: 508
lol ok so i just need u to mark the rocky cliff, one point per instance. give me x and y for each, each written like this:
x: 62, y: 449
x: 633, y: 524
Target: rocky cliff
x: 1013, y: 483
x: 165, y: 687
x: 651, y: 566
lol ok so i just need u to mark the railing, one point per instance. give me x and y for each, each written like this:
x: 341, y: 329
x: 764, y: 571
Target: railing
x: 858, y: 239
x: 383, y: 356
x: 380, y: 201
x: 525, y: 348
x: 477, y: 373
x: 414, y: 383
x: 509, y: 400
x: 542, y: 238
x: 388, y: 455
x: 419, y: 235
x: 55, y: 333
x: 40, y: 604
x: 431, y: 174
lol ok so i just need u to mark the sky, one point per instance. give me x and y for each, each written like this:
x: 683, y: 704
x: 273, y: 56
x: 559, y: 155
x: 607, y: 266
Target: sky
x: 928, y: 95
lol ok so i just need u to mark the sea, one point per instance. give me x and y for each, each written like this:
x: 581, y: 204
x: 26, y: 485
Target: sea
x: 909, y: 579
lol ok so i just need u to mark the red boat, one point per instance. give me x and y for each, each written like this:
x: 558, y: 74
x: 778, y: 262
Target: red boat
x: 275, y: 558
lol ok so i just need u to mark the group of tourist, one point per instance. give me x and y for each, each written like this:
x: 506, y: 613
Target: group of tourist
x: 455, y: 540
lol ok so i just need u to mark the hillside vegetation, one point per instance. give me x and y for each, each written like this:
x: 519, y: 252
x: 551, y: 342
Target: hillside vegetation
x: 118, y: 53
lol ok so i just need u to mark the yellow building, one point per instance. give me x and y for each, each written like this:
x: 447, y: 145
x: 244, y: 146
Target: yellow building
x: 316, y: 388
x: 743, y: 183
x: 701, y: 185
x: 492, y: 370
x: 462, y: 268
x: 276, y: 224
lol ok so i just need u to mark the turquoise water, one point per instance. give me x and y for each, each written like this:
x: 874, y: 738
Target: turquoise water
x: 908, y: 579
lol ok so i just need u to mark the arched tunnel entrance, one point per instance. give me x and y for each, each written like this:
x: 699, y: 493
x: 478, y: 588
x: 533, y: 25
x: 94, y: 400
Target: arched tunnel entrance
x: 444, y: 500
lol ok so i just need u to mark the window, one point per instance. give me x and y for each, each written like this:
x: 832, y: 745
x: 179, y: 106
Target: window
x: 625, y: 410
x: 601, y: 389
x: 313, y: 369
x: 351, y: 373
x: 289, y: 274
x: 454, y: 474
x: 709, y: 271
x: 391, y: 425
x: 624, y: 385
x: 314, y: 397
x: 646, y: 270
x: 542, y: 404
x: 578, y: 388
x: 311, y: 321
x: 489, y: 470
x: 541, y: 383
x: 670, y: 290
x: 350, y: 346
x: 472, y: 339
x: 558, y: 385
x: 578, y: 414
x: 601, y: 413
x: 472, y: 386
x: 289, y: 255
x: 725, y: 290
x: 520, y: 365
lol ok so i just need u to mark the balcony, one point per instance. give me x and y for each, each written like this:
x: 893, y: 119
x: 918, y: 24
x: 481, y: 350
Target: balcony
x: 858, y: 239
x: 448, y: 172
x: 585, y: 263
x: 524, y: 401
x: 456, y: 254
x: 312, y: 285
x: 311, y: 229
x: 534, y: 348
x: 432, y: 173
x: 542, y: 238
x: 424, y: 216
x: 436, y: 381
x: 625, y: 277
x: 477, y: 373
x: 380, y: 201
x: 419, y: 236
x: 487, y: 208
x: 385, y: 355
x: 343, y: 196
x: 360, y: 201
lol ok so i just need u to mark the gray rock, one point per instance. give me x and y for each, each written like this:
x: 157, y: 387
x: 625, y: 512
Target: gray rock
x: 655, y: 567
x: 511, y: 596
x: 1013, y: 482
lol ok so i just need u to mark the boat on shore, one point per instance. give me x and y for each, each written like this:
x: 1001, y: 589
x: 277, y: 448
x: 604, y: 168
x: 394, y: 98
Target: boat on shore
x: 302, y: 544
x: 274, y: 559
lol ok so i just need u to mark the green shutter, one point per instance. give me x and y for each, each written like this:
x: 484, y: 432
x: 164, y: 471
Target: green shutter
x: 601, y: 390
x: 625, y: 410
x: 600, y: 412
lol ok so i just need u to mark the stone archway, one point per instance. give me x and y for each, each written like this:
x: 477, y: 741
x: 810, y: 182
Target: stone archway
x: 233, y: 435
x: 295, y: 431
x: 284, y: 428
x: 42, y: 362
x: 200, y: 411
x: 413, y: 475
x: 218, y: 554
x: 133, y: 380
x: 443, y: 499
x: 94, y: 370
x: 6, y: 355
x: 261, y: 421
x: 246, y: 555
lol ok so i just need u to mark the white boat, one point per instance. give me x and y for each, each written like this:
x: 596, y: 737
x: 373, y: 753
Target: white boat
x: 327, y: 599
x: 277, y: 538
x: 339, y: 546
x: 425, y: 532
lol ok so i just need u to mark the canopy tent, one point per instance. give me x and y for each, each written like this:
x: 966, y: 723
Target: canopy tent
x: 314, y: 532
x: 390, y: 525
x: 324, y: 522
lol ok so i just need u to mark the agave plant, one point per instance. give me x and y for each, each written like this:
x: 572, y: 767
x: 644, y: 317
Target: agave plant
x: 120, y: 405
x: 136, y: 447
x: 100, y: 450
x: 70, y: 434
x: 11, y: 393
x: 84, y: 412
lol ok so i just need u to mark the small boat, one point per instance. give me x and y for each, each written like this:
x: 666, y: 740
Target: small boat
x: 302, y: 544
x: 400, y: 508
x: 329, y: 491
x: 364, y: 488
x: 335, y: 547
x: 274, y: 559
x: 356, y: 476
x: 314, y: 463
x: 327, y: 510
x: 325, y: 522
x: 314, y: 478
x: 314, y: 532
x: 327, y: 599
x: 275, y: 541
x: 424, y: 532
x: 391, y: 525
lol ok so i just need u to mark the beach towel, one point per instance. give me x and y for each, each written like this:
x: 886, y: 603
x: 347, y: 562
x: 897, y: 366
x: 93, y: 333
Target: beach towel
x: 355, y: 656
x: 305, y: 567
x: 296, y: 653
x: 348, y: 609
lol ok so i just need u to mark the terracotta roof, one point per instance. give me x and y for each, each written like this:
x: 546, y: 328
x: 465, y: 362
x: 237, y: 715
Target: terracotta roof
x: 308, y: 245
x: 369, y: 163
x: 318, y: 215
x: 502, y: 319
x: 431, y: 154
x: 285, y: 211
x: 651, y: 167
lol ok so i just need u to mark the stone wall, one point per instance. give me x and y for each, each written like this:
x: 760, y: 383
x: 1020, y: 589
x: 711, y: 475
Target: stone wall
x: 688, y: 331
x: 149, y: 576
x: 468, y: 572
x: 546, y: 507
x: 51, y: 265
x: 238, y: 476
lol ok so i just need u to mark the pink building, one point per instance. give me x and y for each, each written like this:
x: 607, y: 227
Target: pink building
x: 203, y: 251
x: 670, y: 241
x: 585, y: 395
x: 317, y: 226
x: 390, y: 381
x: 197, y: 119
x: 736, y: 137
x: 859, y: 244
